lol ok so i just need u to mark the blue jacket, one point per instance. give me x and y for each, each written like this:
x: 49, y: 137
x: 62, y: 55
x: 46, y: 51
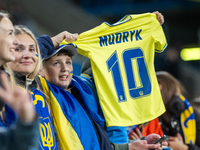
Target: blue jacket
x: 117, y: 135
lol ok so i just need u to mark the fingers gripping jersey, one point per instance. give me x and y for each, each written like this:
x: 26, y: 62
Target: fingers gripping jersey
x: 122, y: 60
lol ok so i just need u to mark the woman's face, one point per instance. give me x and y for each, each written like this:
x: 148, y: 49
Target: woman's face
x: 25, y: 55
x: 8, y: 41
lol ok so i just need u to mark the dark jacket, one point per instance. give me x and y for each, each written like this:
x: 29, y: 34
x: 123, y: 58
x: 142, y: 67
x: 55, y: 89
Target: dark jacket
x: 20, y: 136
x: 21, y: 81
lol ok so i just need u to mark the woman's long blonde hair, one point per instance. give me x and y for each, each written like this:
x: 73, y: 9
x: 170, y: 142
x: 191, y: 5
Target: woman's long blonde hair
x: 20, y: 29
x: 7, y: 68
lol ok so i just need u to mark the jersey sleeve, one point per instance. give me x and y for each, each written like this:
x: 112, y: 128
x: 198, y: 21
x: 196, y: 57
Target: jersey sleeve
x: 158, y: 35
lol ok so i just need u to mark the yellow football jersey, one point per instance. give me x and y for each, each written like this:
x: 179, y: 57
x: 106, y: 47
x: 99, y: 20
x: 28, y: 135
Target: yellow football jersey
x: 122, y: 60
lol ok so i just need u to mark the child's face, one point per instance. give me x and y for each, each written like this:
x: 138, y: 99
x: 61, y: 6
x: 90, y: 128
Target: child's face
x: 57, y: 70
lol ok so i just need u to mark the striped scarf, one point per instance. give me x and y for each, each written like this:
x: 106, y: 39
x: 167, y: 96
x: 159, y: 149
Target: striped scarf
x: 188, y: 122
x: 47, y: 137
x: 74, y: 127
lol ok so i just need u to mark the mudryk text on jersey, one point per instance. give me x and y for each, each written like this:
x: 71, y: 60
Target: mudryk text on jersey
x: 117, y: 38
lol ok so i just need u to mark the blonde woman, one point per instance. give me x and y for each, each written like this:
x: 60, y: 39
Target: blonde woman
x: 26, y: 67
x: 26, y: 127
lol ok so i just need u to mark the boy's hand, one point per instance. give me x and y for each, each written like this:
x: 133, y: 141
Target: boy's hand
x: 69, y: 37
x: 160, y: 17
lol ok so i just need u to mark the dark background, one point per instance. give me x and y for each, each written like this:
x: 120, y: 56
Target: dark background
x: 182, y: 19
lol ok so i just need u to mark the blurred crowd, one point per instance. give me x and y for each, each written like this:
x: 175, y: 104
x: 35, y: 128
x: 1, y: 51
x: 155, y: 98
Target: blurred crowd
x: 43, y: 105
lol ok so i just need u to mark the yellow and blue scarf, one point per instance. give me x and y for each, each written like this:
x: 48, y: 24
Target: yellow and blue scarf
x: 74, y: 128
x: 47, y: 139
x: 188, y: 122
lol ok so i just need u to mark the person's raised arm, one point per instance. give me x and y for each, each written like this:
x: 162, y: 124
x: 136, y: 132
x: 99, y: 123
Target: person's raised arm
x: 69, y: 37
x: 48, y: 44
x: 160, y: 17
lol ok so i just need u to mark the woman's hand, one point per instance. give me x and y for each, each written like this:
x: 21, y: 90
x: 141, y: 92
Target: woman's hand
x: 18, y: 99
x: 137, y: 134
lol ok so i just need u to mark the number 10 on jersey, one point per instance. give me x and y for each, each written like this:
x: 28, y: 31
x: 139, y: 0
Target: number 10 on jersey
x: 137, y: 76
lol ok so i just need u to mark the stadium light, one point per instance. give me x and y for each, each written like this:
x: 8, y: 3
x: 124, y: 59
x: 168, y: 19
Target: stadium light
x: 190, y: 54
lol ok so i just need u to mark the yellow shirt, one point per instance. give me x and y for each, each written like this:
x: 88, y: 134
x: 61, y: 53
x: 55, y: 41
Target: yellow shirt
x: 122, y: 61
